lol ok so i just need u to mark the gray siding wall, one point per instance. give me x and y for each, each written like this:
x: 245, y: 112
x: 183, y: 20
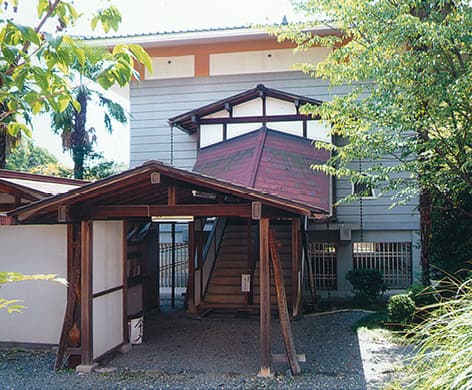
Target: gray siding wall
x: 153, y: 102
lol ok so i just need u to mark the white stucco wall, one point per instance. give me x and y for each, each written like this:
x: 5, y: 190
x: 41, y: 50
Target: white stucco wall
x: 30, y: 250
x: 107, y: 274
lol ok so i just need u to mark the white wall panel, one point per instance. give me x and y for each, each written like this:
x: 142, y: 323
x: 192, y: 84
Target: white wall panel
x: 171, y: 67
x: 107, y: 322
x: 30, y: 250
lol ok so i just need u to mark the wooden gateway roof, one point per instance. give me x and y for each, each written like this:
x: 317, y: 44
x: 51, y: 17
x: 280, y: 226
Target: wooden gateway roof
x: 271, y: 162
x: 157, y: 189
x: 190, y: 120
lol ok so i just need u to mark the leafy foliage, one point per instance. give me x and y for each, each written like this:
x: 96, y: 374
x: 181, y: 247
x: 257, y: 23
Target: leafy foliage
x: 409, y: 113
x: 14, y: 305
x: 444, y: 343
x: 35, y: 65
x: 367, y: 284
x: 401, y: 309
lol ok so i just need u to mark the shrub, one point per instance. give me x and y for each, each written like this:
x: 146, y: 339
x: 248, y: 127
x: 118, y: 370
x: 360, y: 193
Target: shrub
x: 401, y: 309
x: 423, y: 296
x: 367, y: 284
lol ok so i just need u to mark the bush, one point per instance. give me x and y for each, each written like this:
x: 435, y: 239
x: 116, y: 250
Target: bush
x: 423, y: 296
x: 367, y: 284
x: 401, y: 309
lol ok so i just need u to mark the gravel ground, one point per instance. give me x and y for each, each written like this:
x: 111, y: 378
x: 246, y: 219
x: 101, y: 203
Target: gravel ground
x: 223, y: 353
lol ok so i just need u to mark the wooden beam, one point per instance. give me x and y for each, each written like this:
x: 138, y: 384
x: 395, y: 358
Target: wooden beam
x: 283, y: 307
x: 86, y: 293
x: 171, y: 196
x: 196, y: 210
x: 264, y: 275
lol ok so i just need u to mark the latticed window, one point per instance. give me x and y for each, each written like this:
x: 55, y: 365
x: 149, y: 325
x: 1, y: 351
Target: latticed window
x: 393, y: 259
x: 322, y: 257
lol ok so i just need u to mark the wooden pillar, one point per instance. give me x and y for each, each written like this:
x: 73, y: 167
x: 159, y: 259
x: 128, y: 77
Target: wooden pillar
x: 86, y: 294
x: 191, y: 268
x: 264, y: 298
x: 199, y: 253
x: 296, y: 267
x: 124, y: 248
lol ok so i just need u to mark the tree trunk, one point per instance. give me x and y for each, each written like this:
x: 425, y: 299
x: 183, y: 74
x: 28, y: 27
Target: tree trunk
x: 425, y: 226
x: 3, y: 148
x: 80, y: 142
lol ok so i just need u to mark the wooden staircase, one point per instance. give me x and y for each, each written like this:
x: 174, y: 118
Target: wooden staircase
x: 224, y: 288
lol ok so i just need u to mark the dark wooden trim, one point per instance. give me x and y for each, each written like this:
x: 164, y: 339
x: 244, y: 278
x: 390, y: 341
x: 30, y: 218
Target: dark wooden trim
x: 86, y: 304
x: 296, y: 264
x: 305, y: 129
x: 124, y: 263
x: 196, y: 210
x: 107, y: 291
x: 256, y: 118
x: 264, y: 298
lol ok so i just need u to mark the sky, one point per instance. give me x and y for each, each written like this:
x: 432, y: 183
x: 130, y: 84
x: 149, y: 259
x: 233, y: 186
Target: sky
x: 148, y: 16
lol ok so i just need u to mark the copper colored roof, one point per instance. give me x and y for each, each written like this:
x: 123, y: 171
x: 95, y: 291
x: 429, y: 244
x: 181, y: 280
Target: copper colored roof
x: 272, y: 162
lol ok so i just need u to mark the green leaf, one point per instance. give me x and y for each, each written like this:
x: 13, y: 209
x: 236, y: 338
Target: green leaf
x: 142, y: 56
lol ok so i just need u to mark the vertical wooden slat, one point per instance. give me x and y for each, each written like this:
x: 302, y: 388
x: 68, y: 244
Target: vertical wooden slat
x: 264, y: 275
x: 86, y: 293
x: 124, y: 248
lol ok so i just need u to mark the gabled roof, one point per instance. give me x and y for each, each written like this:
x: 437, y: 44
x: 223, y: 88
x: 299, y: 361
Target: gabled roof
x: 39, y: 186
x: 134, y: 193
x: 272, y: 162
x: 188, y: 121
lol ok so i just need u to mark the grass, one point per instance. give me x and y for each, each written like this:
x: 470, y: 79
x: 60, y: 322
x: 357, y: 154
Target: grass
x: 375, y: 320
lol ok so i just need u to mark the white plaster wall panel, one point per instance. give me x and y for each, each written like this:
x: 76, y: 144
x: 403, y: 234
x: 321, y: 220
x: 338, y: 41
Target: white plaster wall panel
x: 171, y: 67
x: 259, y: 61
x: 107, y: 322
x: 292, y: 127
x: 318, y: 130
x: 250, y: 108
x: 219, y: 114
x: 107, y: 255
x: 236, y: 129
x: 210, y: 134
x: 279, y: 107
x: 30, y: 250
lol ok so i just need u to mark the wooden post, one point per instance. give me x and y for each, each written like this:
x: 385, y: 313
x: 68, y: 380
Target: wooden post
x: 296, y: 267
x: 264, y: 297
x: 124, y: 248
x: 172, y: 295
x: 191, y: 268
x: 86, y: 294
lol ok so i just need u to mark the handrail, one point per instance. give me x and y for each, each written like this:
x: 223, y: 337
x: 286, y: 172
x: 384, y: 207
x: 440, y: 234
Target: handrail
x: 210, y: 252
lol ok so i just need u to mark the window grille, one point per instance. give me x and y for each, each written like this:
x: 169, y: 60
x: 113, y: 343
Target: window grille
x: 393, y: 259
x: 322, y: 256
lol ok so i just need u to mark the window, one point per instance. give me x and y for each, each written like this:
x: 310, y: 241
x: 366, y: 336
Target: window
x: 363, y: 189
x: 322, y: 257
x: 393, y: 259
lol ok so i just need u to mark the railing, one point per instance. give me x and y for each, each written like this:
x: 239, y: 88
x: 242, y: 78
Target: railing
x: 181, y: 265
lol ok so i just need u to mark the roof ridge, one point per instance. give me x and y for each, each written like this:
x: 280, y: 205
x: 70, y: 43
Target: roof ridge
x: 261, y: 138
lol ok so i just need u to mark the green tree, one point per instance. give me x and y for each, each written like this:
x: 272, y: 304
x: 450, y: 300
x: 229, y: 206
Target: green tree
x: 71, y: 123
x: 409, y: 63
x: 35, y: 66
x: 99, y: 167
x: 26, y: 156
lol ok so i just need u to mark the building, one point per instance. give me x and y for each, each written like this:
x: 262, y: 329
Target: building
x: 218, y: 140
